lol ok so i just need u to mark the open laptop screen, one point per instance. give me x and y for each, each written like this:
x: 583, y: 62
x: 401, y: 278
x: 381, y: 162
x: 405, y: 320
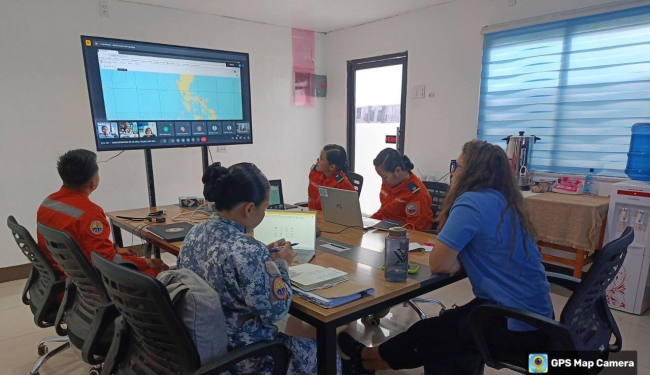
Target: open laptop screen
x: 276, y: 201
x: 294, y: 226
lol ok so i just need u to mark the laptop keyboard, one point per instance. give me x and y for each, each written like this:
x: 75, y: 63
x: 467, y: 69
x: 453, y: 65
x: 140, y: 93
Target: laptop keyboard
x: 368, y: 222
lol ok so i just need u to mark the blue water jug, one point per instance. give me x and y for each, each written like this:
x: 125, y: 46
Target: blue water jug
x: 638, y: 159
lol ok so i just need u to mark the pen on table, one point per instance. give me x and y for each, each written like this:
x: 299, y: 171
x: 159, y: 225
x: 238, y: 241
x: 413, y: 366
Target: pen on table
x: 276, y: 249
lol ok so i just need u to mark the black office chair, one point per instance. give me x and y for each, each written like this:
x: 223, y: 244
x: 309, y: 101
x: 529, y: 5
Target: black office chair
x: 41, y: 291
x: 356, y: 180
x: 586, y: 325
x: 86, y: 307
x: 438, y: 192
x: 150, y: 338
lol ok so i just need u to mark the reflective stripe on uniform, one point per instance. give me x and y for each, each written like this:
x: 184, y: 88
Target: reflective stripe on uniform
x: 63, y: 208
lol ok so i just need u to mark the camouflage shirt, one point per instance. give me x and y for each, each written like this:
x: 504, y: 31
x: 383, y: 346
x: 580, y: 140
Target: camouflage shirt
x: 255, y: 291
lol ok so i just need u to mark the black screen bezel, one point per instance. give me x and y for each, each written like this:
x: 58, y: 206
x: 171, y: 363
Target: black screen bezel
x: 246, y: 110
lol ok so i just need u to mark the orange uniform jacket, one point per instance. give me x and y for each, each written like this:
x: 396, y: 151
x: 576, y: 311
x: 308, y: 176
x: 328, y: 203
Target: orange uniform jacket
x: 73, y: 212
x: 408, y: 202
x: 316, y: 179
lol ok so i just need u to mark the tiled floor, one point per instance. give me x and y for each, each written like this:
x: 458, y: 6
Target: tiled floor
x: 19, y: 336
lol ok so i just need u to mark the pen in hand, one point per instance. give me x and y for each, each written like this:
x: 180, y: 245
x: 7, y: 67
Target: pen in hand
x: 276, y: 249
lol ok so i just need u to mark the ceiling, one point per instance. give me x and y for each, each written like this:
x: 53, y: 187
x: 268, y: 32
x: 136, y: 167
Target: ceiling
x: 316, y: 15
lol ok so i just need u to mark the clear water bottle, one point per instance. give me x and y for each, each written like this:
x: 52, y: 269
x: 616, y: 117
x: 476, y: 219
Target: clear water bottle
x: 396, y: 255
x: 590, y: 183
x: 638, y: 159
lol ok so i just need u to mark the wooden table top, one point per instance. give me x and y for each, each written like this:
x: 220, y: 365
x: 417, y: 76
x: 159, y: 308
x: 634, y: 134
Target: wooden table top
x: 357, y: 272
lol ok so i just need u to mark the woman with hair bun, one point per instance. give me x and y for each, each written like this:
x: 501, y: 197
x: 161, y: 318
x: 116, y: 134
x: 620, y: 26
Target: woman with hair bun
x: 403, y: 196
x: 252, y: 281
x: 329, y: 171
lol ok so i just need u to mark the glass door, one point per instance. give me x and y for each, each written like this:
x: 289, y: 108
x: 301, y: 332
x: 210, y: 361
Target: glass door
x: 376, y: 111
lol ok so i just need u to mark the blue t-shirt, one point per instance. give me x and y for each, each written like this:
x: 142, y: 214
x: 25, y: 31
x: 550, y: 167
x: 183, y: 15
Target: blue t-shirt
x: 516, y: 280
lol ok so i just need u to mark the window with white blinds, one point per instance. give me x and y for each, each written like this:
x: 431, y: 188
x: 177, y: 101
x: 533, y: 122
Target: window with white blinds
x: 578, y: 84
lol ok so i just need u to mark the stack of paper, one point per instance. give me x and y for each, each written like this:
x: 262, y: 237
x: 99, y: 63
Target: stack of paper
x: 336, y: 296
x: 414, y: 246
x: 310, y: 277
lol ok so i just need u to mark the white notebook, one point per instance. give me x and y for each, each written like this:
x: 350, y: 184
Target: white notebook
x: 311, y: 277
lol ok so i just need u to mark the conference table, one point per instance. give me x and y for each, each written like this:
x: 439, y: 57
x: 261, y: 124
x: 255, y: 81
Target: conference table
x: 362, y: 264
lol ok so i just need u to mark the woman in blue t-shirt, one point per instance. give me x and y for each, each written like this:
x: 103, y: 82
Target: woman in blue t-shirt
x: 485, y: 231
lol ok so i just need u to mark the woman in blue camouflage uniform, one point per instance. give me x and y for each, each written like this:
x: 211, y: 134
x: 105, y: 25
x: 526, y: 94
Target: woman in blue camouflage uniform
x: 252, y: 282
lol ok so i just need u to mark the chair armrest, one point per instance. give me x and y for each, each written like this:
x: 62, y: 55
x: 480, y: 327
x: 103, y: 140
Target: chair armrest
x: 68, y: 298
x: 118, y: 347
x: 104, y: 317
x: 28, y: 285
x: 611, y: 323
x: 275, y: 349
x: 52, y: 292
x: 565, y: 281
x: 301, y: 204
x: 483, y: 315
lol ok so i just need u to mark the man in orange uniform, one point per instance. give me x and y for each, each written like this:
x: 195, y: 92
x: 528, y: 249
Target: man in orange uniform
x: 403, y: 196
x: 70, y: 210
x: 329, y: 171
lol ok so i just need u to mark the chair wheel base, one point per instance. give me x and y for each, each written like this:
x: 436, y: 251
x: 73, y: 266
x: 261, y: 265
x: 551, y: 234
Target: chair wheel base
x: 371, y: 321
x: 42, y: 350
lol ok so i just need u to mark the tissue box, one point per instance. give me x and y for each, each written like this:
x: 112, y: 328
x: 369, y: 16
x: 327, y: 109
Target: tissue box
x: 190, y: 202
x: 568, y: 185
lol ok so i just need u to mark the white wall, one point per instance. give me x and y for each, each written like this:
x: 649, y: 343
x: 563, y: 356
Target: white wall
x: 45, y: 111
x: 444, y: 45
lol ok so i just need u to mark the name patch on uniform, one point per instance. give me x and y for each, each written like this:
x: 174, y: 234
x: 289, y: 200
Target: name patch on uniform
x: 280, y: 289
x: 96, y: 227
x: 412, y: 209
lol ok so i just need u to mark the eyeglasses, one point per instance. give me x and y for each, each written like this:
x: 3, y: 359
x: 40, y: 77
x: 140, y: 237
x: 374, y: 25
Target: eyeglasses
x: 454, y: 167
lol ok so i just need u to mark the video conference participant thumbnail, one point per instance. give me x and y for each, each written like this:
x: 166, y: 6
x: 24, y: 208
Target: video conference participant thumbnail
x: 147, y: 129
x: 107, y: 129
x: 128, y: 129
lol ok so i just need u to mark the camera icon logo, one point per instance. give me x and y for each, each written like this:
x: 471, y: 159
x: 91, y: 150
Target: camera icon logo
x: 538, y: 363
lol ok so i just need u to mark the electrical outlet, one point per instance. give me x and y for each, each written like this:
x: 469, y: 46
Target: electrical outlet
x: 222, y: 149
x: 419, y: 92
x: 103, y: 9
x: 512, y: 2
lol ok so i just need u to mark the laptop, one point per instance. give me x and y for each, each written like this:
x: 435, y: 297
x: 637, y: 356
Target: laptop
x: 276, y: 201
x: 295, y: 226
x: 342, y: 207
x: 171, y: 232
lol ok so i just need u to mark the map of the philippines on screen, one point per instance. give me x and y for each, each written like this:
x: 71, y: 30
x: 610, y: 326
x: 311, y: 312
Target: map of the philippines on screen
x: 141, y: 95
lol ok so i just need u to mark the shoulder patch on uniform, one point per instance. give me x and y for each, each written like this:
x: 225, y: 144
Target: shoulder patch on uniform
x: 339, y: 178
x: 413, y: 187
x: 96, y: 227
x: 412, y: 209
x: 280, y: 289
x: 272, y: 268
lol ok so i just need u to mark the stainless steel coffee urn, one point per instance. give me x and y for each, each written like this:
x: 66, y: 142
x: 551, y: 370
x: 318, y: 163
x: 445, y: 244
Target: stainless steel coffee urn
x: 519, y: 149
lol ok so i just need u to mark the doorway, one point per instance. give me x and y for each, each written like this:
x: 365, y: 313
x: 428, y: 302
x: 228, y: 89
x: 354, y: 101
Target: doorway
x: 376, y: 117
